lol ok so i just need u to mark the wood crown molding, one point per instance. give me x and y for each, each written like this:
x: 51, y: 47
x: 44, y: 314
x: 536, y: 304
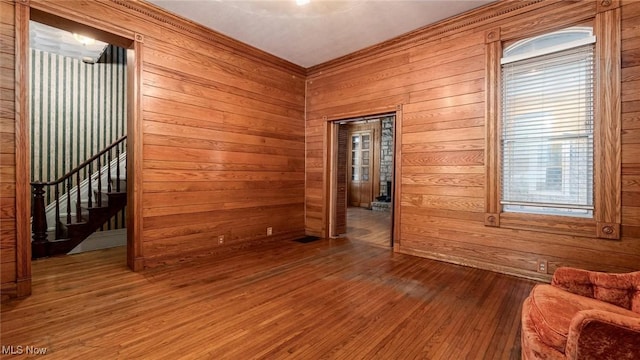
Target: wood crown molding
x: 194, y: 29
x: 431, y: 32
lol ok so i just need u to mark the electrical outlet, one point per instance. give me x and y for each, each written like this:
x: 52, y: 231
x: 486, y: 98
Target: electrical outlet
x: 269, y: 231
x: 542, y: 266
x: 220, y: 239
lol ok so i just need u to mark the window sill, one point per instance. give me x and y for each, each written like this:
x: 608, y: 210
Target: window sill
x: 564, y: 225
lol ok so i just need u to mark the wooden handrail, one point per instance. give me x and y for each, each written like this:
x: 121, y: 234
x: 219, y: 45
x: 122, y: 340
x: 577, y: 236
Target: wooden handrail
x: 40, y: 244
x: 83, y: 165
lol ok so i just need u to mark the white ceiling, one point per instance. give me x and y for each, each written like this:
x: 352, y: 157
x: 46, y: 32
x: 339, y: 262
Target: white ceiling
x: 319, y: 31
x: 53, y: 40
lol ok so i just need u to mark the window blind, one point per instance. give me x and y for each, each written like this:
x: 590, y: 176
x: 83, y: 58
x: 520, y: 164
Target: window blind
x: 547, y: 133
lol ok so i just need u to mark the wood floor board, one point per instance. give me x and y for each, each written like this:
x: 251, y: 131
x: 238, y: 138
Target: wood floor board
x: 329, y: 299
x: 371, y: 227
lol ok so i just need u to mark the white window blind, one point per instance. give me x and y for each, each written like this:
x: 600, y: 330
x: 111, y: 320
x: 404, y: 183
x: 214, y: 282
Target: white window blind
x: 547, y: 132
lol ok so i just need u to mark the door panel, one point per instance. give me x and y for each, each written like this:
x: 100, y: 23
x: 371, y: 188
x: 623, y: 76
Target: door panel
x: 361, y: 156
x: 341, y: 180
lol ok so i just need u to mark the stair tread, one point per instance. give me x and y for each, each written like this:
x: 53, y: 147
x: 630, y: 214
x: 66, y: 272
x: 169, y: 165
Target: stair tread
x: 112, y: 180
x: 77, y: 230
x: 74, y: 221
x: 105, y: 200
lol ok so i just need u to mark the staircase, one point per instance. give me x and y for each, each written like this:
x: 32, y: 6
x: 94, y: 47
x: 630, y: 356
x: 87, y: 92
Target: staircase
x: 79, y: 213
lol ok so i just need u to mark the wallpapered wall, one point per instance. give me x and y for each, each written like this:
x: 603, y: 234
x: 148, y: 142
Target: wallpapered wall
x: 77, y: 109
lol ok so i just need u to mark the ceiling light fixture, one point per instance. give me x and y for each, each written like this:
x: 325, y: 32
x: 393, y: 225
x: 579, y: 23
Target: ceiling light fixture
x: 302, y: 2
x: 84, y: 40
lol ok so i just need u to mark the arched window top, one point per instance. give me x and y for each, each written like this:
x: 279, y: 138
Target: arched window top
x: 549, y: 42
x: 544, y: 41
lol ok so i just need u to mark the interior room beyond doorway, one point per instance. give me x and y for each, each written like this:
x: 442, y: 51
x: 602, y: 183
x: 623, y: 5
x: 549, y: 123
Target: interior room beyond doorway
x: 364, y: 178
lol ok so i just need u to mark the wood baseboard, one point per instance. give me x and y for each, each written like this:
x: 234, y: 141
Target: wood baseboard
x: 8, y: 291
x: 475, y: 264
x: 152, y: 262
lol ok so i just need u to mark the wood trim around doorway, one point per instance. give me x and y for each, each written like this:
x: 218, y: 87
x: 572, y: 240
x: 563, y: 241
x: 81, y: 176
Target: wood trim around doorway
x: 331, y: 126
x: 397, y: 179
x: 23, y: 194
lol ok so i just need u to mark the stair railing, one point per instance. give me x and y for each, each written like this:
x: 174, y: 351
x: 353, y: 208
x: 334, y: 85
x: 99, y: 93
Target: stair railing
x: 39, y: 224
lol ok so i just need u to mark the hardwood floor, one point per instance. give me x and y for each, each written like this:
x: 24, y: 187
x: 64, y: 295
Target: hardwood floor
x: 371, y: 227
x: 328, y: 299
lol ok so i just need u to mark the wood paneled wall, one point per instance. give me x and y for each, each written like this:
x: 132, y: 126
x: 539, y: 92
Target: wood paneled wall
x: 226, y: 149
x: 437, y: 74
x: 8, y: 264
x: 631, y: 124
x: 222, y: 133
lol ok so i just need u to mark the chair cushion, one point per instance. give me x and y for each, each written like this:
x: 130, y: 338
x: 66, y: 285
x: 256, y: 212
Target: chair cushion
x: 552, y: 310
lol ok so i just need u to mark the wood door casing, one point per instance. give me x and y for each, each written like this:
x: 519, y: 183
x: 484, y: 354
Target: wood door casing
x: 341, y: 180
x: 363, y: 164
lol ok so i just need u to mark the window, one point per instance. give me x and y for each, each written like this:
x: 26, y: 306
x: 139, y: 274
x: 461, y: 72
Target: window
x: 553, y: 128
x: 547, y: 124
x: 360, y: 149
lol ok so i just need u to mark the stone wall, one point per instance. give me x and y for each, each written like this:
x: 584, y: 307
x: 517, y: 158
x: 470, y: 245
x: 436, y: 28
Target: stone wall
x: 386, y: 153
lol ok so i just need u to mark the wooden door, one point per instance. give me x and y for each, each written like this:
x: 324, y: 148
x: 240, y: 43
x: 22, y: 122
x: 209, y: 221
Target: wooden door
x: 361, y: 165
x: 341, y: 180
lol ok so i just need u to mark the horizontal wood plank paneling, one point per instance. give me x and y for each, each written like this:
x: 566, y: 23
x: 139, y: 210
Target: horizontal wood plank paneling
x: 218, y: 117
x: 442, y: 89
x: 226, y: 123
x: 228, y: 134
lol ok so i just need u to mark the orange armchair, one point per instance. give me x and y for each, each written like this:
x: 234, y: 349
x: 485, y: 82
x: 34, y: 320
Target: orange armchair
x: 583, y: 315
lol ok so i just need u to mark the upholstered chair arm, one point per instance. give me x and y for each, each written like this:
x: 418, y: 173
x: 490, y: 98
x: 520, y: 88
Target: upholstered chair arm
x: 573, y: 280
x: 597, y: 334
x: 619, y: 289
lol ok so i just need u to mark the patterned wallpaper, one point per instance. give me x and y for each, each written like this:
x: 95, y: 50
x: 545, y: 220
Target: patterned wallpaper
x: 77, y: 109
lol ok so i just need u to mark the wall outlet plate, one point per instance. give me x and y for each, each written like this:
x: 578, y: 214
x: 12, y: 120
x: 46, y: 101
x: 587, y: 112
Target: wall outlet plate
x: 542, y: 266
x: 220, y: 239
x: 269, y: 231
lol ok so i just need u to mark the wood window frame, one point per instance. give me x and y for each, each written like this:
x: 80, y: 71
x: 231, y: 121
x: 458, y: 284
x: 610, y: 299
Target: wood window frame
x: 374, y: 130
x: 607, y: 136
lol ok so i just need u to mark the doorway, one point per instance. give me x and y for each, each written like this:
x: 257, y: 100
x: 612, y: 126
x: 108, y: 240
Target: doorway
x: 25, y: 14
x: 362, y: 163
x: 77, y: 93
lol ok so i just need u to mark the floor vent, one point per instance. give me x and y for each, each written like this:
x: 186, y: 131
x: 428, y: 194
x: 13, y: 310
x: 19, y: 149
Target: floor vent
x: 307, y: 239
